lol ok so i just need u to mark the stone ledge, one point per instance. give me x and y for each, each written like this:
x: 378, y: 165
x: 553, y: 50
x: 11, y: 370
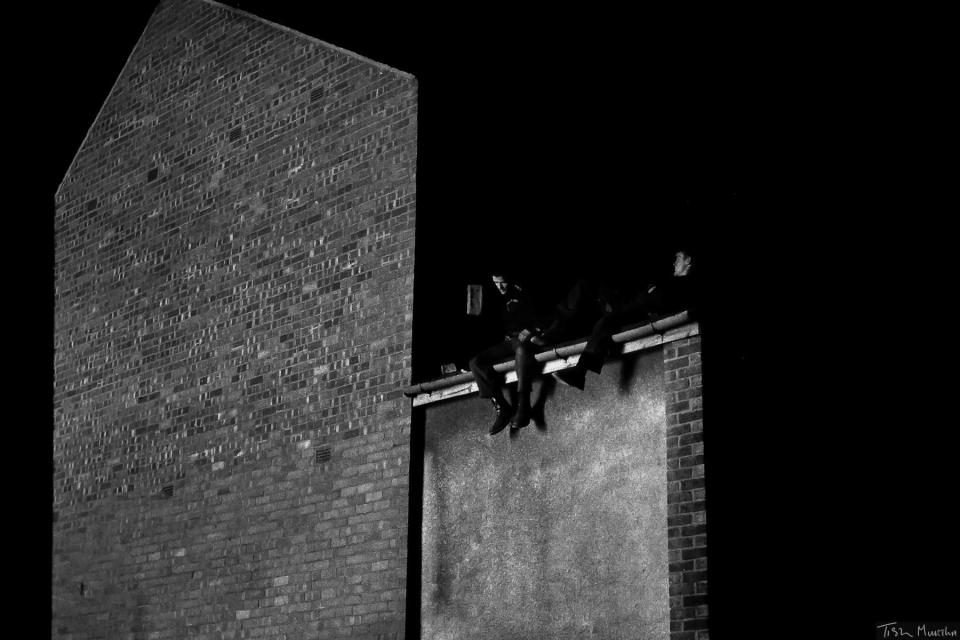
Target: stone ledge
x: 563, y: 356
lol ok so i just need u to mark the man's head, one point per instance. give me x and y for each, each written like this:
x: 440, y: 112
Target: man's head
x: 502, y: 282
x: 682, y: 262
x: 506, y: 281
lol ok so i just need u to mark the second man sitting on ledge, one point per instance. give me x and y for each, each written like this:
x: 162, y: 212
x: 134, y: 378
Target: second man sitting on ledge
x: 614, y: 308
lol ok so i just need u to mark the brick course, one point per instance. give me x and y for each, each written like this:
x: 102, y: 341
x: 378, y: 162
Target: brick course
x: 234, y: 277
x: 687, y: 518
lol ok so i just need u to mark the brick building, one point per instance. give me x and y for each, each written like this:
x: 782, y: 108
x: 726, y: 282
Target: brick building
x: 234, y: 266
x: 234, y: 452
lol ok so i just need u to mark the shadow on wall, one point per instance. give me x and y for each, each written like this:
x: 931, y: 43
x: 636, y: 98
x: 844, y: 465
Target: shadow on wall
x: 559, y: 531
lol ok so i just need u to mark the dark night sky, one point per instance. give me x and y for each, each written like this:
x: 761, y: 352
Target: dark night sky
x: 567, y: 142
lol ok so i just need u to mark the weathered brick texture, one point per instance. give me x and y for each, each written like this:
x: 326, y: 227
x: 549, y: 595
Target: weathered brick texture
x: 234, y: 277
x: 687, y: 517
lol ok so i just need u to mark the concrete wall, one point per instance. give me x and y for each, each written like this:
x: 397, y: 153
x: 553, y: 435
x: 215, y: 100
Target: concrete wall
x: 560, y: 532
x: 234, y: 271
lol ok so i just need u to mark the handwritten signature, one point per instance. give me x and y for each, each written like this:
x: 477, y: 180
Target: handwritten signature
x: 918, y: 630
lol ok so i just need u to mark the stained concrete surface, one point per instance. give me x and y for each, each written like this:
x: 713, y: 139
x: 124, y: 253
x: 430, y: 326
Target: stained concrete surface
x: 559, y: 532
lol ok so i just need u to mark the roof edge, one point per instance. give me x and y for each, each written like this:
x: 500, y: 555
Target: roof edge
x: 96, y: 119
x: 630, y: 339
x: 106, y: 99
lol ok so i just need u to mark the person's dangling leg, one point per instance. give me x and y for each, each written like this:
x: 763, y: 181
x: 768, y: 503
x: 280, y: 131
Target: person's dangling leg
x: 526, y: 369
x: 489, y: 382
x: 592, y: 356
x: 598, y: 343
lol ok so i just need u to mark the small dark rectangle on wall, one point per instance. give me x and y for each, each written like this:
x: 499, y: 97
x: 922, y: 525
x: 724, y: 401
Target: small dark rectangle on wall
x: 167, y: 491
x: 322, y: 454
x: 448, y: 369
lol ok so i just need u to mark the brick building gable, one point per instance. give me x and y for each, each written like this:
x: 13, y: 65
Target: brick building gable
x: 234, y: 267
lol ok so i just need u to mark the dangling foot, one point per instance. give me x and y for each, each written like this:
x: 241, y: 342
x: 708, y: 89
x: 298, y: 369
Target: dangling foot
x: 589, y: 361
x: 504, y: 413
x: 575, y: 377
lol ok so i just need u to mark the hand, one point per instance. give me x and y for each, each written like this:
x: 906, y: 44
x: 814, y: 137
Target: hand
x: 524, y: 335
x: 537, y: 340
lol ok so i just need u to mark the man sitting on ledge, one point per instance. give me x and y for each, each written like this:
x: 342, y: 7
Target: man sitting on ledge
x: 671, y: 295
x: 522, y: 341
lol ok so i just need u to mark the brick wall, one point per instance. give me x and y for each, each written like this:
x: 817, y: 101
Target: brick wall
x: 234, y: 271
x: 686, y: 521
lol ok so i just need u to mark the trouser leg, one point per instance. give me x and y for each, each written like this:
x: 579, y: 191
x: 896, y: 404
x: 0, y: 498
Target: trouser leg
x: 598, y: 344
x: 526, y: 365
x: 488, y: 380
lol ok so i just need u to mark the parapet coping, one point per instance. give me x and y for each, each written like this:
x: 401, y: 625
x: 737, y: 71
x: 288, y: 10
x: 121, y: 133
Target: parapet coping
x: 634, y: 338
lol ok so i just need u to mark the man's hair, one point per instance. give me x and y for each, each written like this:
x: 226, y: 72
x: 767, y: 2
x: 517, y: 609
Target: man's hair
x: 688, y: 250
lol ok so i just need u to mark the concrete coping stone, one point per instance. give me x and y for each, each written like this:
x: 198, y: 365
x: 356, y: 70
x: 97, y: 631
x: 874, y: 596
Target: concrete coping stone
x: 631, y: 338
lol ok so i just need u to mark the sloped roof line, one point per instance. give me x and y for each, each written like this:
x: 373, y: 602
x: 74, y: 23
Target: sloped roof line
x: 103, y: 105
x: 247, y: 14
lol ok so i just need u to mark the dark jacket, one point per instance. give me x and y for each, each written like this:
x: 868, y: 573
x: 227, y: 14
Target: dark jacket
x: 585, y: 303
x: 519, y: 312
x: 589, y: 300
x: 674, y: 294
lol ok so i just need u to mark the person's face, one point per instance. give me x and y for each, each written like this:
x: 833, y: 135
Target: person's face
x: 681, y: 264
x: 501, y: 284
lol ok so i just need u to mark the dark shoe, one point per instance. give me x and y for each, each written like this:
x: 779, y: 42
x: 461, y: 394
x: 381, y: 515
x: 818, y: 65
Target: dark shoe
x: 504, y: 413
x: 523, y: 410
x: 590, y: 362
x: 575, y: 377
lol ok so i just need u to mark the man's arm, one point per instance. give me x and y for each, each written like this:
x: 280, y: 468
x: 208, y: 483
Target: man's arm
x: 533, y: 336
